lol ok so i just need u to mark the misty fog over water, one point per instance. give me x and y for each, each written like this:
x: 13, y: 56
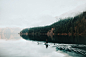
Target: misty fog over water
x: 12, y: 45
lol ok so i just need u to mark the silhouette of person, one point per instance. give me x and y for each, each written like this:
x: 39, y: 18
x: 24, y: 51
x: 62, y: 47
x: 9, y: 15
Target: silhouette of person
x: 54, y: 43
x: 46, y: 46
x: 46, y: 43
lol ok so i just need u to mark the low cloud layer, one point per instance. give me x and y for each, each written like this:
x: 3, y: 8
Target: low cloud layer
x: 30, y: 13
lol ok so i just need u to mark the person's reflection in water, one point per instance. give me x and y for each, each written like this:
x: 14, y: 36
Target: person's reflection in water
x: 46, y: 43
x: 54, y: 43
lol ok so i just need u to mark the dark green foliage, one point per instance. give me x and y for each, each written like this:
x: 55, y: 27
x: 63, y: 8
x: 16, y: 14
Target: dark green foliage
x: 69, y: 25
x: 39, y: 29
x: 63, y: 26
x: 24, y: 30
x: 73, y: 25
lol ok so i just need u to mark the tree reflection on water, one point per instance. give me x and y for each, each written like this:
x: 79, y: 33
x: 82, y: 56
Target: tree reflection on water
x: 75, y: 44
x: 57, y: 39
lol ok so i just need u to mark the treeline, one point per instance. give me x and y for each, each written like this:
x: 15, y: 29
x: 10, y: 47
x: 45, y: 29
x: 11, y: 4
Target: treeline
x: 75, y: 25
x: 25, y: 30
x: 39, y: 29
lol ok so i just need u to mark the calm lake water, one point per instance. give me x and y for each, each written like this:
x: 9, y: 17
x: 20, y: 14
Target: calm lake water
x: 13, y: 45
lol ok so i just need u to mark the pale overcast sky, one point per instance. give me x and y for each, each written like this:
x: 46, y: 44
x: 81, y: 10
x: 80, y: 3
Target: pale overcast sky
x: 30, y: 13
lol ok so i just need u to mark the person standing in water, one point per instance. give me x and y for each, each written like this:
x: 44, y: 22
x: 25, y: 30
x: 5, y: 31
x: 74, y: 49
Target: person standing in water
x: 46, y: 43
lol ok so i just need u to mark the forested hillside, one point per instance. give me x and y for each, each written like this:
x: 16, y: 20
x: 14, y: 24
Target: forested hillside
x: 68, y: 26
x: 72, y: 26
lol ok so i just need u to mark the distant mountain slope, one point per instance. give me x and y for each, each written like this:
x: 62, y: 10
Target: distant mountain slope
x: 10, y: 30
x: 9, y: 33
